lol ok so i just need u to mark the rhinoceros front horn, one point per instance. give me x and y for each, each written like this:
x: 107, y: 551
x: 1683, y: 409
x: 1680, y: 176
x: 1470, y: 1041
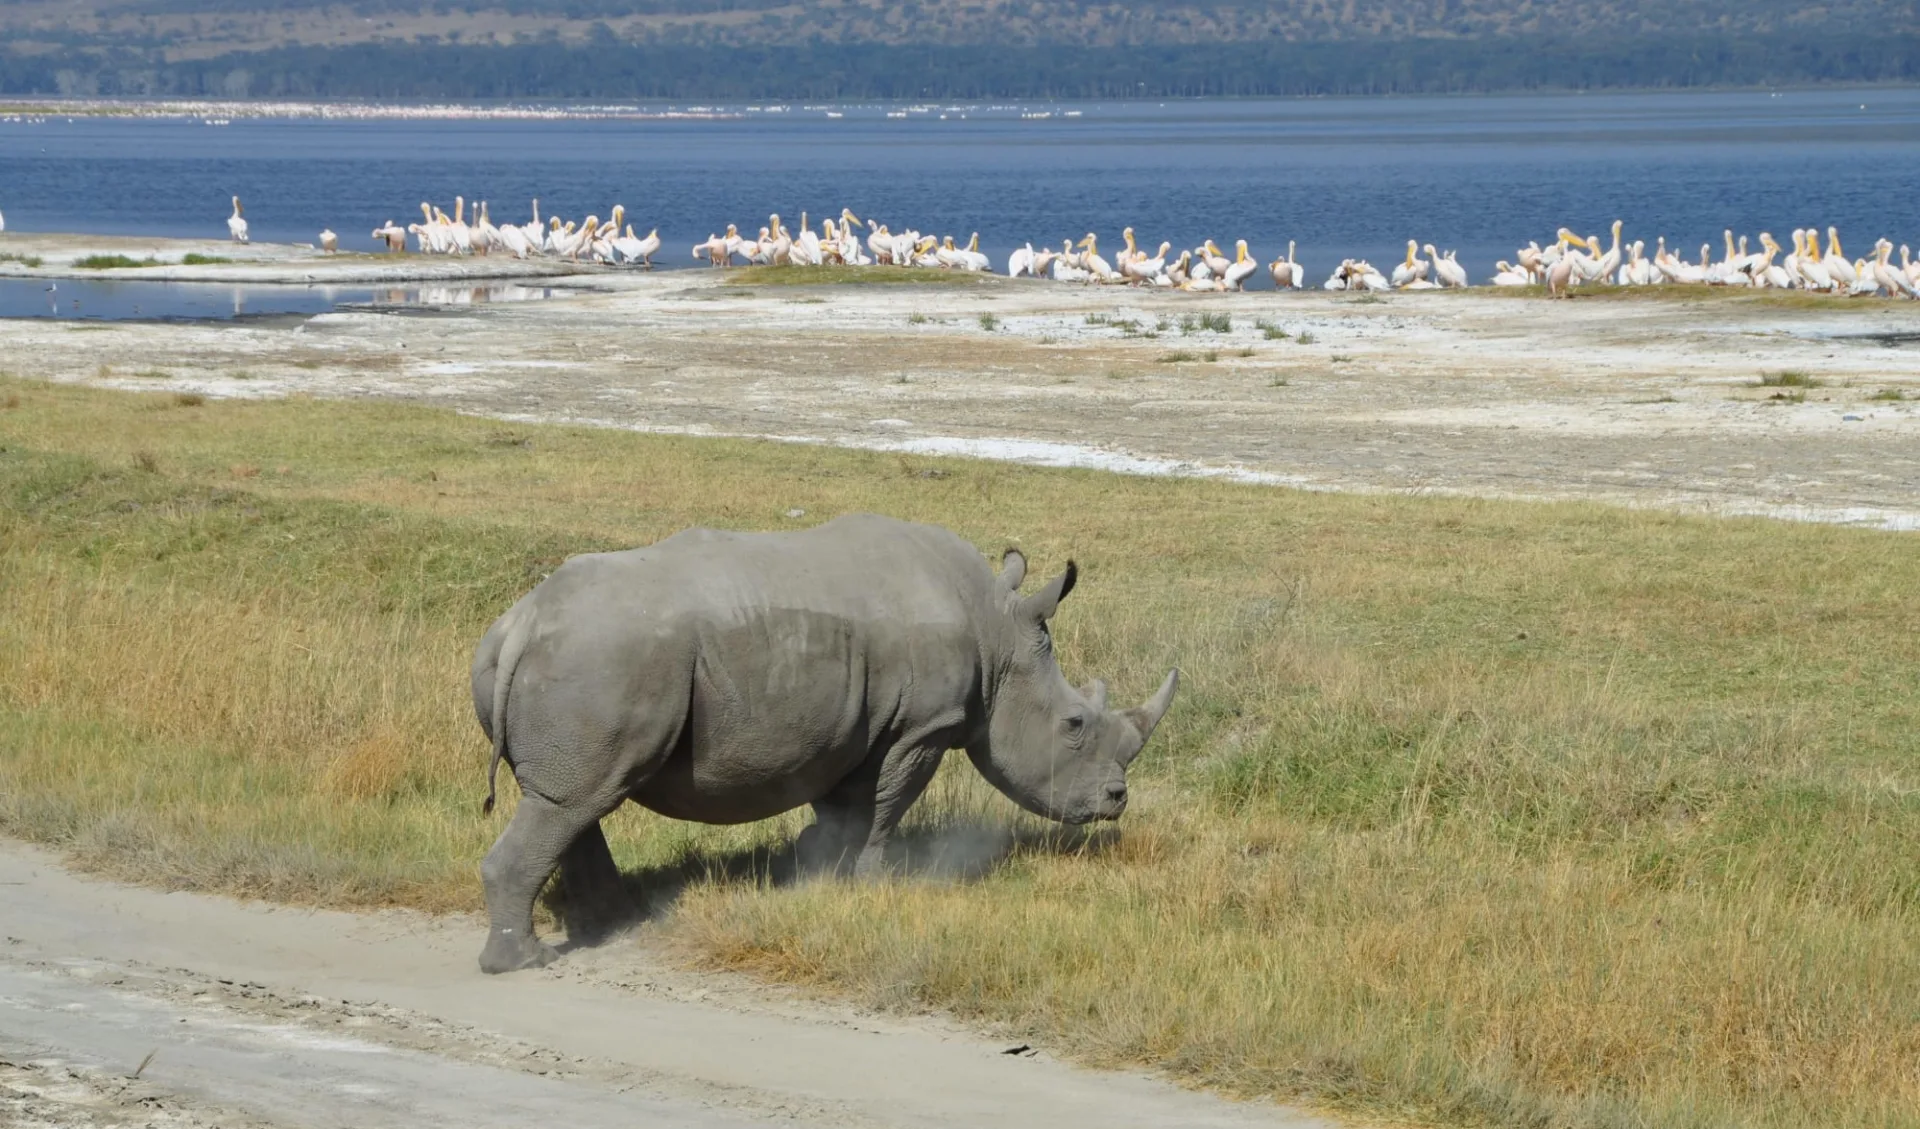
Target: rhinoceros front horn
x: 1144, y: 718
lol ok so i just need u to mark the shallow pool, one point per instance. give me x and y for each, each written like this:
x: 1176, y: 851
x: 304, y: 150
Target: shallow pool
x: 110, y: 300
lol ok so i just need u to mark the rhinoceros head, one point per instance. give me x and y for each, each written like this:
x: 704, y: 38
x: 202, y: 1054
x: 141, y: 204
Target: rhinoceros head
x: 1055, y: 750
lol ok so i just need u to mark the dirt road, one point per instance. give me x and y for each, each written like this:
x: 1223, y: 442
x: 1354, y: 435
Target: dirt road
x: 250, y: 1015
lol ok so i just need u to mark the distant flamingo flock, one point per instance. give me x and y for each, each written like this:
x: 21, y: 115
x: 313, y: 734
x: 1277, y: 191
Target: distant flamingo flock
x: 1565, y: 263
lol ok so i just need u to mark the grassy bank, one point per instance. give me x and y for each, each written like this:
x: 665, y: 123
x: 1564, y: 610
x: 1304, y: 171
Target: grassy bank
x: 1469, y: 812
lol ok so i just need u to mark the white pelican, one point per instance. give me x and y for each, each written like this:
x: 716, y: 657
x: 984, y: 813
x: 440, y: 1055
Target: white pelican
x: 1144, y: 269
x: 880, y: 242
x: 393, y: 235
x: 1838, y: 266
x: 1217, y: 261
x: 1410, y: 270
x: 1020, y: 263
x: 1894, y: 282
x: 1241, y: 269
x: 1506, y: 274
x: 1813, y: 273
x: 3, y: 221
x: 1179, y: 271
x: 236, y: 225
x: 535, y: 232
x: 329, y: 242
x: 1128, y: 253
x: 1769, y: 273
x: 1448, y: 270
x: 458, y: 229
x: 1095, y: 264
x: 485, y: 236
x: 970, y: 256
x: 714, y: 250
x: 1286, y: 271
x: 1606, y: 265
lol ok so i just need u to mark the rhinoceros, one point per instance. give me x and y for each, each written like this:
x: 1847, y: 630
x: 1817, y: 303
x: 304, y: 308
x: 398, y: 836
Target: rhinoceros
x: 726, y: 677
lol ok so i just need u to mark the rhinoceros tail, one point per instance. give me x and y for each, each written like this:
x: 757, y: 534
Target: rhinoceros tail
x: 516, y: 641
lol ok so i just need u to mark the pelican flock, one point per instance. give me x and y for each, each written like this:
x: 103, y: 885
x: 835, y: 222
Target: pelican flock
x: 1815, y: 261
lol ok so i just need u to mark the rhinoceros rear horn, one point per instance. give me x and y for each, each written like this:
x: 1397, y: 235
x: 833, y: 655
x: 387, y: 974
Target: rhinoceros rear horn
x: 1146, y: 717
x: 1013, y: 569
x: 1096, y: 694
x: 1042, y: 604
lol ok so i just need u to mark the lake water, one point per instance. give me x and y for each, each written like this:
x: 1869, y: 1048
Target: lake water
x: 107, y: 299
x: 1339, y: 176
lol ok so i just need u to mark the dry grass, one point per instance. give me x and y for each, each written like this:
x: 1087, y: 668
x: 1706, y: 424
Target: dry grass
x: 1471, y: 813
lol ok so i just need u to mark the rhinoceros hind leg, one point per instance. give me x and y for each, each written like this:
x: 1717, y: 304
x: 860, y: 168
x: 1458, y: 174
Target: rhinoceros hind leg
x: 597, y: 904
x: 830, y: 843
x: 514, y: 871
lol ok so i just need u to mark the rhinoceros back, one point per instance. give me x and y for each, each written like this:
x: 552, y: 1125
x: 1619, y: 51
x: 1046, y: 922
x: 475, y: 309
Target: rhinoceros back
x: 771, y: 665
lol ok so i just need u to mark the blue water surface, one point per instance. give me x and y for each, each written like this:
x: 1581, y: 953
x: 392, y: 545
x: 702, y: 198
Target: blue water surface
x: 1342, y: 177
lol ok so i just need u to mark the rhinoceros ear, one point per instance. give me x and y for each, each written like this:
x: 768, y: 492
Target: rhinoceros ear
x: 1013, y: 569
x: 1042, y: 604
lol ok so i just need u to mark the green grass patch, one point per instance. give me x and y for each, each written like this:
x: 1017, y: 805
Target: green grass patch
x: 23, y: 260
x: 1471, y: 813
x: 113, y: 262
x: 195, y: 259
x: 1789, y: 378
x: 989, y: 322
x: 1891, y: 394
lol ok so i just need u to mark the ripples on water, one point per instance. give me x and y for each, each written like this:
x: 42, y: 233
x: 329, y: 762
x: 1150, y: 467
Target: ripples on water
x: 108, y: 300
x: 1340, y: 176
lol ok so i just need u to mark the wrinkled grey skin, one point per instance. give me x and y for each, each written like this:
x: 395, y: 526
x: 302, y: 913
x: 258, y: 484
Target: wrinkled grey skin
x: 727, y: 677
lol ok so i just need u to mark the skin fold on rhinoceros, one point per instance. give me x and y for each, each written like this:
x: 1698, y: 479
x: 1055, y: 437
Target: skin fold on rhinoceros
x: 727, y: 677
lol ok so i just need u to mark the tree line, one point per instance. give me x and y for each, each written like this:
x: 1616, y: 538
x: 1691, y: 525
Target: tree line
x: 854, y: 71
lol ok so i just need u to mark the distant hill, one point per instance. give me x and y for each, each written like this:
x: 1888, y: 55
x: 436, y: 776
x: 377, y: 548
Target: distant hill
x: 939, y: 48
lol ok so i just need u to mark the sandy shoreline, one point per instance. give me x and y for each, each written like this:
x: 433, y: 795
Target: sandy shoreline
x: 1651, y: 401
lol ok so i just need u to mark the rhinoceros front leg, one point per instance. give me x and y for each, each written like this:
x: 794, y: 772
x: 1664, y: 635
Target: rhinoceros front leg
x: 903, y: 777
x: 515, y: 870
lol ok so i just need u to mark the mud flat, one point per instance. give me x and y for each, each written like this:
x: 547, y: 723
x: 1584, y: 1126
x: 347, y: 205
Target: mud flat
x: 1709, y: 401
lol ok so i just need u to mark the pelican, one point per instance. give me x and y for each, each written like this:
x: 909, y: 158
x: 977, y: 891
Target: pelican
x: 535, y: 232
x: 1020, y: 263
x: 1507, y: 274
x: 1814, y: 274
x: 485, y: 235
x: 3, y: 221
x: 1095, y: 265
x: 1128, y: 253
x: 1838, y: 266
x: 880, y: 242
x: 329, y: 242
x: 1285, y: 272
x: 1894, y: 282
x: 393, y: 235
x: 458, y: 229
x: 236, y: 225
x: 1606, y: 265
x: 1144, y: 269
x: 1412, y: 269
x: 1769, y: 273
x: 970, y: 256
x: 714, y: 250
x: 1241, y: 269
x: 1450, y: 272
x: 1217, y: 260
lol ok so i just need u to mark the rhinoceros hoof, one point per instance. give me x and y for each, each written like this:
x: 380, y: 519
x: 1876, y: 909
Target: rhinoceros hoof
x: 511, y: 952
